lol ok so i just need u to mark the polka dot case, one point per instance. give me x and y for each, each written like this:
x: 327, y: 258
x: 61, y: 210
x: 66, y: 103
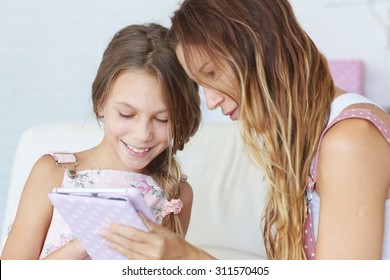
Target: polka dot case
x: 86, y: 212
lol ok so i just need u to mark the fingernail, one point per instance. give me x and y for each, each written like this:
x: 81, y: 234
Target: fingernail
x: 100, y: 231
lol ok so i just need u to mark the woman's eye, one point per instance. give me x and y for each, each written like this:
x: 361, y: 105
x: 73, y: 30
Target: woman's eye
x: 211, y: 74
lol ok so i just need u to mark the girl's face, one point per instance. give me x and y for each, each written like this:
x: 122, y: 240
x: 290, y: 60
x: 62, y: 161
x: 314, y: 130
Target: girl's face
x: 136, y: 121
x: 225, y: 92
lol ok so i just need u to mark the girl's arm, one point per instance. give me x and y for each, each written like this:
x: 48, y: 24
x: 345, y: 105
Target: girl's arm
x: 353, y: 184
x: 186, y: 196
x: 33, y: 217
x: 73, y: 250
x: 28, y: 233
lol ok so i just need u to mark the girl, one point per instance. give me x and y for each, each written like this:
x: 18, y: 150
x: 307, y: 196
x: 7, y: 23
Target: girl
x: 150, y: 109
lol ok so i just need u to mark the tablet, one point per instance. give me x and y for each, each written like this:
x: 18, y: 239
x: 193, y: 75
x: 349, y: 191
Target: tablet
x: 87, y: 210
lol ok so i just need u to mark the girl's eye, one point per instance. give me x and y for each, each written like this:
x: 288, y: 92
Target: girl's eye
x: 125, y: 116
x: 161, y: 120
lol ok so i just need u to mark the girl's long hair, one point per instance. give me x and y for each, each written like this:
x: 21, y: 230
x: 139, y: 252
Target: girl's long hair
x: 146, y: 48
x: 285, y: 95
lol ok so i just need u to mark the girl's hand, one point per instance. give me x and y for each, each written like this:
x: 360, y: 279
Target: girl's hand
x: 73, y: 250
x: 158, y: 244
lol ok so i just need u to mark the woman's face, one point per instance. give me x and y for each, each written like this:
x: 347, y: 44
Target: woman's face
x: 225, y: 92
x: 136, y: 121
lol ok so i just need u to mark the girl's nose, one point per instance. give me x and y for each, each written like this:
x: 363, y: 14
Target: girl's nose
x: 142, y: 131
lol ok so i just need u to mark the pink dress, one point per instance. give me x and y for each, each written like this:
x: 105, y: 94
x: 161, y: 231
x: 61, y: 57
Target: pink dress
x: 59, y: 232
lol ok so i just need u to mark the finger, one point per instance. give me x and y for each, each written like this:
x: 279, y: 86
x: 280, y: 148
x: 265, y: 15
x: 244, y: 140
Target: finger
x: 126, y: 246
x: 140, y: 249
x: 130, y: 254
x: 113, y: 236
x: 152, y: 226
x: 128, y: 232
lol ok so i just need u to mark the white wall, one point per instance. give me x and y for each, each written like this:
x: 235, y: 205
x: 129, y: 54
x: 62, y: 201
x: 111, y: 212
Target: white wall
x: 49, y: 54
x: 50, y: 51
x: 353, y: 29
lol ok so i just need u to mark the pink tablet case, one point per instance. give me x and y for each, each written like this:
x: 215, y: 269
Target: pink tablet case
x: 86, y: 214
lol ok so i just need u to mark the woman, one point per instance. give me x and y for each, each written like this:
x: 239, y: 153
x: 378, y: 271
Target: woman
x: 315, y: 142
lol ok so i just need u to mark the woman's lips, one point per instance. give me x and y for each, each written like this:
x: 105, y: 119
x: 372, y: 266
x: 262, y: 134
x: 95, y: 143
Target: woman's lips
x: 233, y: 114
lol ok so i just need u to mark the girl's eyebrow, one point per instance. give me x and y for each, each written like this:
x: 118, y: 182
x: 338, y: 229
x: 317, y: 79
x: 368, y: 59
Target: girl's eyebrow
x: 124, y: 104
x: 121, y: 103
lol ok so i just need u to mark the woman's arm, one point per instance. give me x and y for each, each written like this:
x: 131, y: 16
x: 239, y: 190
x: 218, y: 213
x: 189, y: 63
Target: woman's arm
x: 159, y: 242
x: 353, y: 184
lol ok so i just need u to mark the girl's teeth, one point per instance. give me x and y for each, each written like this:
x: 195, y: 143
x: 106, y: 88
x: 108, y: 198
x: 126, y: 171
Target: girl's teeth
x: 137, y: 150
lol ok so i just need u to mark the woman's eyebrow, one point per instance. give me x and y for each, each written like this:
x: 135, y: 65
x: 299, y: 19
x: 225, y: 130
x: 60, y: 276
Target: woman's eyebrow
x: 201, y: 68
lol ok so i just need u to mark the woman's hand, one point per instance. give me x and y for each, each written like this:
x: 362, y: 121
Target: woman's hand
x: 158, y: 244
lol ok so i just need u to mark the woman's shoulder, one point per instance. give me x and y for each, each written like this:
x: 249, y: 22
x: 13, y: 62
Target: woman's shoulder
x: 359, y: 133
x: 357, y: 148
x: 358, y: 124
x: 354, y: 135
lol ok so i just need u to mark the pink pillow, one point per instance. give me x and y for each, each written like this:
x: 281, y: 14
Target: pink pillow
x: 348, y: 74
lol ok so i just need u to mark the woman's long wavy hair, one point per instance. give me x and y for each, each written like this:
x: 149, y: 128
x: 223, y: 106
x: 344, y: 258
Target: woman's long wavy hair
x: 146, y: 48
x: 286, y: 92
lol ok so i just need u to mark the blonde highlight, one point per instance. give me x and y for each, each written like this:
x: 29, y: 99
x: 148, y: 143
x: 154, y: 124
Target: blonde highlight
x: 286, y: 90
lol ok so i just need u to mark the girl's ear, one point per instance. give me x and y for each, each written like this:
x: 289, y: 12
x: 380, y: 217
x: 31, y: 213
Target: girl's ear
x: 100, y: 113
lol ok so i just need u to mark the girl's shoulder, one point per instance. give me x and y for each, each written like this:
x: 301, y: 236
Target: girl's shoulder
x: 80, y: 160
x: 48, y: 165
x: 44, y: 175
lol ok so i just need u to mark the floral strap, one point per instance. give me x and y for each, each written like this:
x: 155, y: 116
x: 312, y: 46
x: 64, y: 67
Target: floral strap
x: 66, y: 158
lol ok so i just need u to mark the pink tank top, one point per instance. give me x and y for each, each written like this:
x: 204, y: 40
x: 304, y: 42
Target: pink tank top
x: 309, y: 238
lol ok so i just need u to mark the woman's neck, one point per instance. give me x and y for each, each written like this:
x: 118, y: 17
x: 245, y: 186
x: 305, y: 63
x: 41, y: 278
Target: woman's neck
x: 338, y: 92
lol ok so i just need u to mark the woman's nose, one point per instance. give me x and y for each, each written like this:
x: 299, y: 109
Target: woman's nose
x: 213, y: 98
